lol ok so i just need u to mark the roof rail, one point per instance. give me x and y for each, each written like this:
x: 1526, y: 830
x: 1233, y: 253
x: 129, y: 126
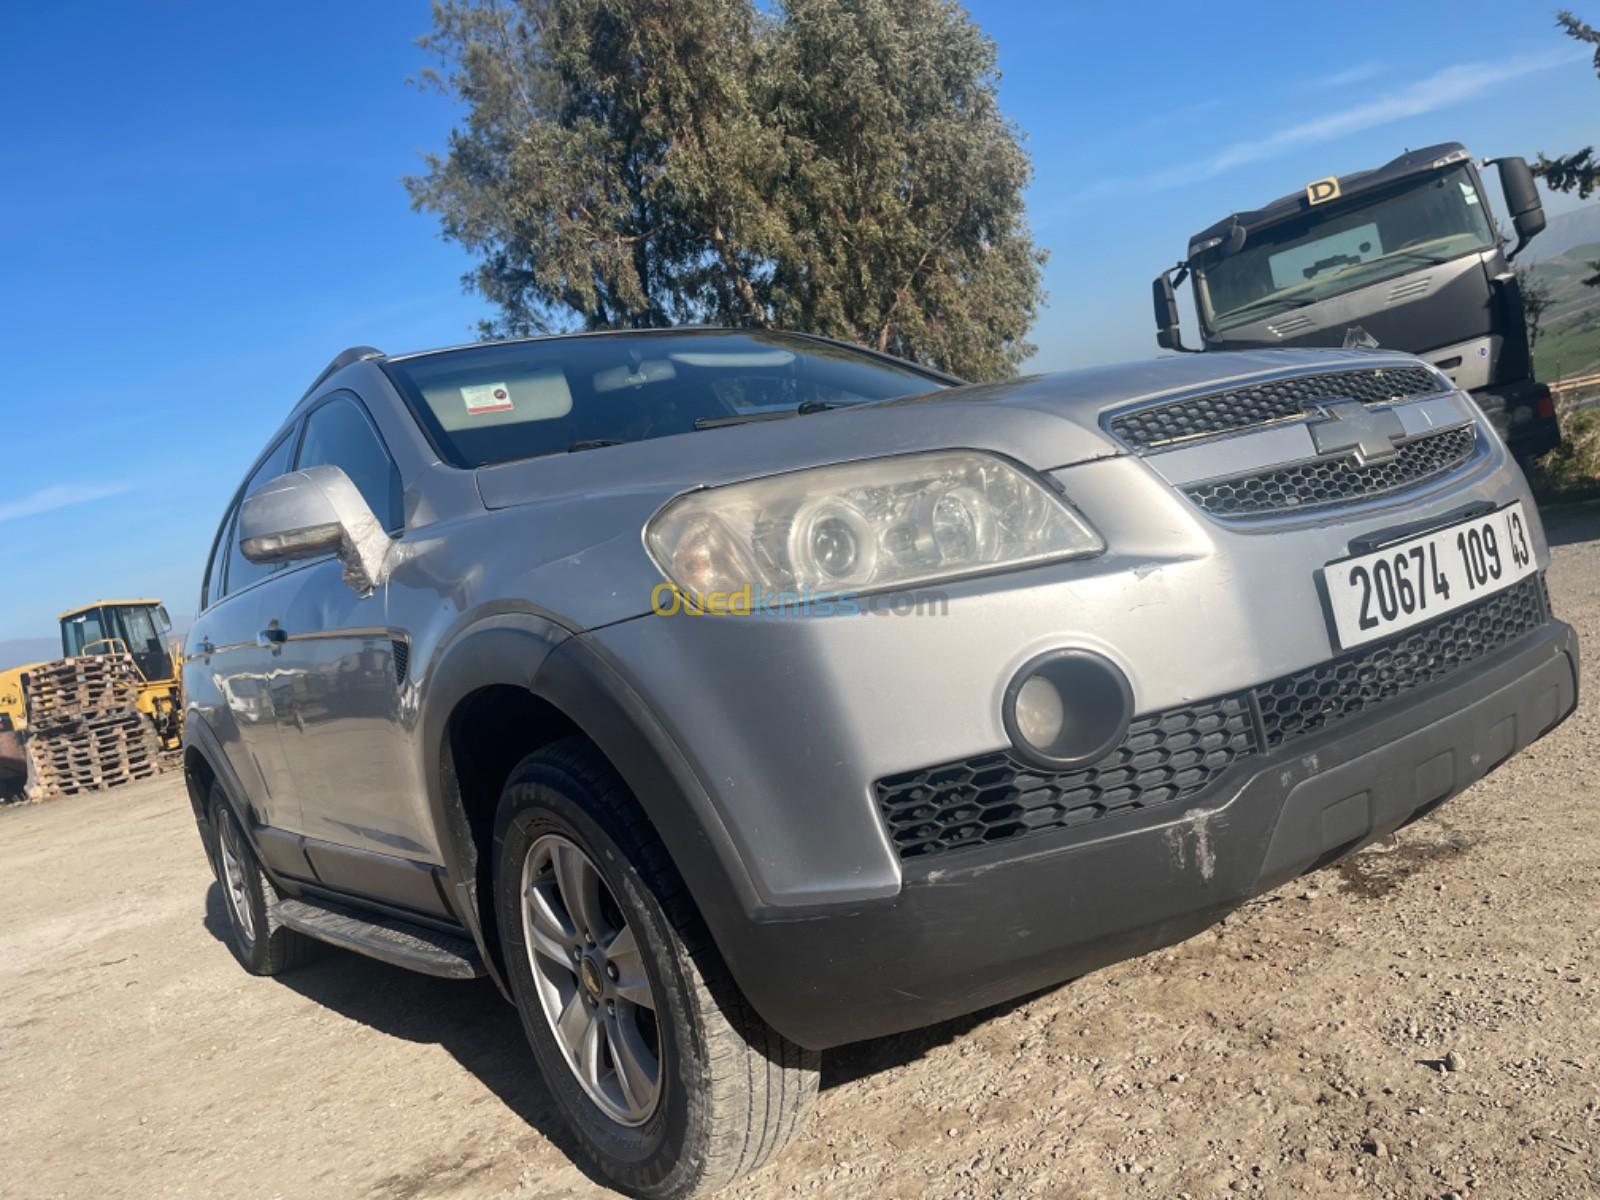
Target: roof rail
x: 343, y: 359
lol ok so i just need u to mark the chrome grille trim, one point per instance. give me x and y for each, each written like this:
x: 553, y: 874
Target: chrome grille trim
x: 1324, y: 482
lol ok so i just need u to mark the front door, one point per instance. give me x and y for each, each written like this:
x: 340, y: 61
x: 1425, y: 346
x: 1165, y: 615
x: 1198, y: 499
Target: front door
x: 337, y: 693
x: 236, y: 664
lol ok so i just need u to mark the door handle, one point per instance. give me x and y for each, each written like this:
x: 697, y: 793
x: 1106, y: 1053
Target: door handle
x: 205, y: 647
x: 272, y: 635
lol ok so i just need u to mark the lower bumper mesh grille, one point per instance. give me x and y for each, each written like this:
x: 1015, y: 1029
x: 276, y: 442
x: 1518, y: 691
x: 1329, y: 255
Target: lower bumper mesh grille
x: 1165, y: 758
x: 1318, y: 696
x: 1178, y: 755
x: 1321, y: 482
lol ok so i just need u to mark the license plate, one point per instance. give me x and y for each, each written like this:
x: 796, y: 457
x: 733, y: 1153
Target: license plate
x: 1371, y: 596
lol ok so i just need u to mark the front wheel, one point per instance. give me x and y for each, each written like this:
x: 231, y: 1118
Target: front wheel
x: 258, y: 941
x: 671, y: 1081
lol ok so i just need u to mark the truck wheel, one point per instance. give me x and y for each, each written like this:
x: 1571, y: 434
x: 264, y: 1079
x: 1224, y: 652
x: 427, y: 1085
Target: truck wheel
x: 670, y: 1080
x: 262, y: 946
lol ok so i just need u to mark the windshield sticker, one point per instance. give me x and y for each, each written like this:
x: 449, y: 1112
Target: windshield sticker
x: 487, y: 398
x: 1468, y: 192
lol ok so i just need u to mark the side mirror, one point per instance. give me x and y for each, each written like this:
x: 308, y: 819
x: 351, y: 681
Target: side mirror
x: 1522, y: 199
x: 312, y: 512
x: 1168, y: 335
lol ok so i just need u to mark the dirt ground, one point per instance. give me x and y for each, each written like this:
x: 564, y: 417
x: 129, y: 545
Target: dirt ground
x: 1299, y: 1048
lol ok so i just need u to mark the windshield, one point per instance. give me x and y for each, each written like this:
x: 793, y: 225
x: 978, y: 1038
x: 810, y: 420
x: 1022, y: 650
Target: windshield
x: 1322, y: 254
x: 501, y: 402
x: 81, y: 630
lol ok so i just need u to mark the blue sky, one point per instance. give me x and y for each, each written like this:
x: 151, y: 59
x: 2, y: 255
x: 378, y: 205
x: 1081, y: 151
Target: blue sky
x: 204, y: 205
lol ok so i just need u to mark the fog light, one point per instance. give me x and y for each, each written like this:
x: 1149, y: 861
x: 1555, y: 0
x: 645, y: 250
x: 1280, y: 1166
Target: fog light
x: 1041, y: 713
x: 1067, y: 708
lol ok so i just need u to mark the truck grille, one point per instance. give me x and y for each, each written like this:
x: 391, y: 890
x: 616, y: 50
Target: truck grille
x: 1164, y: 758
x: 1182, y: 753
x: 1318, y: 696
x: 1319, y: 482
x: 1263, y: 403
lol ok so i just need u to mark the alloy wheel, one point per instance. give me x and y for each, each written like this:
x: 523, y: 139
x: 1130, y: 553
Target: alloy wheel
x: 590, y: 977
x: 231, y: 844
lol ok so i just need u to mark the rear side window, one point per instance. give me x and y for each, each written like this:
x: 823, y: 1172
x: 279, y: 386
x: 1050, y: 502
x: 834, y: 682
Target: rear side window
x: 241, y: 572
x: 340, y: 434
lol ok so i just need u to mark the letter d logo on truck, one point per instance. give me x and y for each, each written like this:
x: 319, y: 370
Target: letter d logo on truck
x: 1320, y: 191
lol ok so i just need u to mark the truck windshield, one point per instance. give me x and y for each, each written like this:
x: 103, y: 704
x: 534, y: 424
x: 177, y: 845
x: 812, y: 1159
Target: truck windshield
x: 512, y: 400
x: 1325, y: 253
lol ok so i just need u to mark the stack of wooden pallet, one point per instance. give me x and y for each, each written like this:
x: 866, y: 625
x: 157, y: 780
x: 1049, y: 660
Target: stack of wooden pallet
x: 85, y: 731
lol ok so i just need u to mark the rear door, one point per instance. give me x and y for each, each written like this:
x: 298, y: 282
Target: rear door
x: 337, y: 692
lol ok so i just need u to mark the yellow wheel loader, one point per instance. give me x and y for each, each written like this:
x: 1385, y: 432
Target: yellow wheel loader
x: 140, y: 629
x: 13, y: 720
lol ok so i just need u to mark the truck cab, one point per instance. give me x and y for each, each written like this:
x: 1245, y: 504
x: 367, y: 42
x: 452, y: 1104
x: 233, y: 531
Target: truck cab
x: 139, y: 627
x: 1407, y: 257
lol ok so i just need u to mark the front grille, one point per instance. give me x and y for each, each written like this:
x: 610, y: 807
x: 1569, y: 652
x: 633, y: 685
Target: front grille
x: 1178, y: 755
x: 1312, y: 699
x: 1260, y: 404
x: 1164, y: 758
x: 1317, y: 483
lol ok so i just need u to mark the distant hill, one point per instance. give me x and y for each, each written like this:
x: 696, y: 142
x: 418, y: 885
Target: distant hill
x: 1566, y: 232
x: 1569, y: 339
x: 16, y: 651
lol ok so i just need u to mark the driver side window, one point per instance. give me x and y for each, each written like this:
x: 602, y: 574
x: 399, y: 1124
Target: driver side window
x: 340, y: 434
x: 241, y: 572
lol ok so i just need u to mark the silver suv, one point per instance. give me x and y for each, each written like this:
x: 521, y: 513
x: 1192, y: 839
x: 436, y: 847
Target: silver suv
x: 727, y: 696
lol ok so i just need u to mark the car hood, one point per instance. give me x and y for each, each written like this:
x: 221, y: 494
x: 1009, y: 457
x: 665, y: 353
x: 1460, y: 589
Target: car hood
x: 567, y: 529
x: 1044, y: 421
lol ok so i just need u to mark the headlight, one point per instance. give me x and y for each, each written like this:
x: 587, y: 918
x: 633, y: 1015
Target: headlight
x: 865, y: 526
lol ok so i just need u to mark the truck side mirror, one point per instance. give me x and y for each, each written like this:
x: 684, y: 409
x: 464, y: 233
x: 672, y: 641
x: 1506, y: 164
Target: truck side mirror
x: 1168, y: 334
x: 1522, y: 200
x: 312, y: 512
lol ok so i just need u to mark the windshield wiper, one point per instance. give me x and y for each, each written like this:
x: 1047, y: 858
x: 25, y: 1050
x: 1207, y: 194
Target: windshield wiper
x: 741, y: 418
x: 1275, y: 303
x: 593, y: 444
x: 1433, y: 260
x: 806, y: 409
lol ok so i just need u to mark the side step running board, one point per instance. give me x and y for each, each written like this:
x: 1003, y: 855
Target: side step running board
x: 388, y: 939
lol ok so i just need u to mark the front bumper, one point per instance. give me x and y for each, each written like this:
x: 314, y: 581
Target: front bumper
x: 1513, y: 409
x: 994, y: 923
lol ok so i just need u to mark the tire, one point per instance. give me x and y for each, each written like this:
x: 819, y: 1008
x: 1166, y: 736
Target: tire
x: 730, y: 1092
x: 258, y: 941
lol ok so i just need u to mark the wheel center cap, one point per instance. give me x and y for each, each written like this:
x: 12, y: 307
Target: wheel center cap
x: 590, y: 974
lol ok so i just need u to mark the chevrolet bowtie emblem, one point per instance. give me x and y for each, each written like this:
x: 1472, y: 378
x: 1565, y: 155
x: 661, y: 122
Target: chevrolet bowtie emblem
x: 1343, y: 425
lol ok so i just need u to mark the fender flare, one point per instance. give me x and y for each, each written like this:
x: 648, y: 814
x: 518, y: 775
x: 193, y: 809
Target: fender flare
x: 568, y: 673
x: 199, y: 737
x: 506, y: 649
